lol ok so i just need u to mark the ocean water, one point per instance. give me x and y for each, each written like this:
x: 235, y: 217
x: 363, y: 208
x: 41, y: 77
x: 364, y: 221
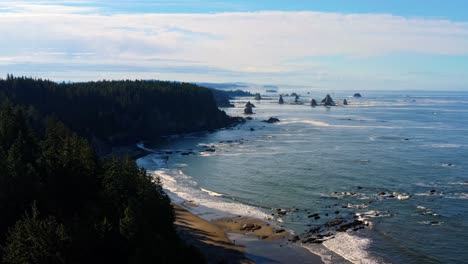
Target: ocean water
x: 337, y: 162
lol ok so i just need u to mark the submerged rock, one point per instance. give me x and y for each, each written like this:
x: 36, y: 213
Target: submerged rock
x: 328, y: 101
x: 271, y: 120
x: 357, y: 95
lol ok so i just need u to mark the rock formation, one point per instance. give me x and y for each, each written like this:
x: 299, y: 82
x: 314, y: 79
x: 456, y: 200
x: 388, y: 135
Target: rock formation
x: 345, y: 102
x: 357, y: 95
x: 281, y: 101
x: 313, y: 103
x: 258, y: 96
x: 328, y: 101
x: 248, y: 108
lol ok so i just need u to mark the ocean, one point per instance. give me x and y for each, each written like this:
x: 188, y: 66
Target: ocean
x: 398, y: 160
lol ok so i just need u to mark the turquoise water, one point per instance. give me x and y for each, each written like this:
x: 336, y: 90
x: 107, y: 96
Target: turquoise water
x: 413, y: 145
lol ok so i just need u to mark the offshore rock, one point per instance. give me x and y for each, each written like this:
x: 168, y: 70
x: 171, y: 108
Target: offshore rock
x: 313, y: 103
x: 271, y: 120
x: 328, y: 101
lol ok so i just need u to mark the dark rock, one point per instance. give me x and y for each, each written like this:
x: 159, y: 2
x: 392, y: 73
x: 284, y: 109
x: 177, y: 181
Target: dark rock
x: 357, y: 95
x: 169, y: 152
x: 294, y: 239
x: 293, y: 94
x: 345, y: 102
x: 344, y: 227
x: 313, y: 103
x: 210, y: 150
x: 250, y: 227
x: 277, y: 231
x: 249, y: 118
x: 249, y: 104
x: 248, y: 109
x: 312, y: 215
x: 296, y: 100
x: 258, y: 96
x: 314, y: 230
x: 281, y: 101
x: 271, y: 120
x: 252, y: 129
x: 335, y: 222
x: 328, y: 101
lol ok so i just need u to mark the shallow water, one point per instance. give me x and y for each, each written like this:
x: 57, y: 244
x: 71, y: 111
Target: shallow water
x: 324, y: 160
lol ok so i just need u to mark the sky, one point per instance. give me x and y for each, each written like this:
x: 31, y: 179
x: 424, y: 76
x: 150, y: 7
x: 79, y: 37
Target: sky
x: 321, y: 44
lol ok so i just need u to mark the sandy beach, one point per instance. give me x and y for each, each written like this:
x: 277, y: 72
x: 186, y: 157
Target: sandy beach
x: 239, y: 240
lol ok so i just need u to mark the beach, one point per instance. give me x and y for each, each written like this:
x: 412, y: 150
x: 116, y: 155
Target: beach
x: 239, y: 240
x: 373, y: 161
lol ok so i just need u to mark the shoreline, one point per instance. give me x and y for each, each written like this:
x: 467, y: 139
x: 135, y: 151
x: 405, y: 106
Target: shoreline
x: 239, y: 239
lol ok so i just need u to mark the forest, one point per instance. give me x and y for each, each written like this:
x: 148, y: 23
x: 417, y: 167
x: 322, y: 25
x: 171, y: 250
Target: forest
x: 60, y: 201
x: 119, y: 112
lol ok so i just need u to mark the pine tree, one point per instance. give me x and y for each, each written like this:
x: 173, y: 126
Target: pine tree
x: 36, y: 240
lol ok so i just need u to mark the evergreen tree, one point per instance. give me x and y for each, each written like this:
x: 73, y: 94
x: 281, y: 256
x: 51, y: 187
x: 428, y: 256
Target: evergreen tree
x: 35, y: 240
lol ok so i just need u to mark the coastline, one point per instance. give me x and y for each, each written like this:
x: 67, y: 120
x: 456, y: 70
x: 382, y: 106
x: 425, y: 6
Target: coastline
x: 239, y: 239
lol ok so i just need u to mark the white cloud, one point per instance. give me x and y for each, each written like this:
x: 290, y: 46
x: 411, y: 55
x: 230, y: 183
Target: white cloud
x: 249, y: 43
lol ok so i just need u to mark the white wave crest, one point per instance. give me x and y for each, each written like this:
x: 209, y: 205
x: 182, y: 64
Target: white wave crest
x: 352, y: 248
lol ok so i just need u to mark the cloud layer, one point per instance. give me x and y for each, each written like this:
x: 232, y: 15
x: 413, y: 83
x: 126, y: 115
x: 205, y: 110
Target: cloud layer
x: 79, y: 42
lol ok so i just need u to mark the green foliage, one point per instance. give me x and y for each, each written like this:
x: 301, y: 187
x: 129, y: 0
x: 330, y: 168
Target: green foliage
x: 36, y: 240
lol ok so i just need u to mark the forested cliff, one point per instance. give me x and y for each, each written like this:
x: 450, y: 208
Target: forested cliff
x: 119, y: 111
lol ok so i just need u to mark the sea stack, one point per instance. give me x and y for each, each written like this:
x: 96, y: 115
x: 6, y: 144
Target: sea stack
x: 296, y: 100
x: 281, y: 101
x: 313, y: 103
x: 357, y: 95
x: 345, y: 102
x: 258, y: 96
x: 328, y: 101
x: 248, y: 108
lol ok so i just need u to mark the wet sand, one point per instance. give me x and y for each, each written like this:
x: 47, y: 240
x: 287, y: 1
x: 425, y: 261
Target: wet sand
x: 239, y: 240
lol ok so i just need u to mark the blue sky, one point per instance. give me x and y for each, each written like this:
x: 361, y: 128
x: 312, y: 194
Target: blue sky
x: 347, y: 44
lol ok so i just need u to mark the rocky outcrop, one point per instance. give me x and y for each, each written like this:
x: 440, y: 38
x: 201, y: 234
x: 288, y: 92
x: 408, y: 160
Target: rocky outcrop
x: 248, y: 108
x: 271, y: 120
x: 281, y: 101
x: 250, y: 227
x: 328, y: 101
x: 313, y: 103
x: 249, y: 104
x: 258, y: 96
x: 357, y: 95
x: 345, y: 102
x: 296, y: 100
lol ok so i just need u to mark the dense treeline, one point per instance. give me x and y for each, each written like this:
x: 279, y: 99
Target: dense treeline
x: 60, y: 203
x: 223, y: 97
x: 119, y: 111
